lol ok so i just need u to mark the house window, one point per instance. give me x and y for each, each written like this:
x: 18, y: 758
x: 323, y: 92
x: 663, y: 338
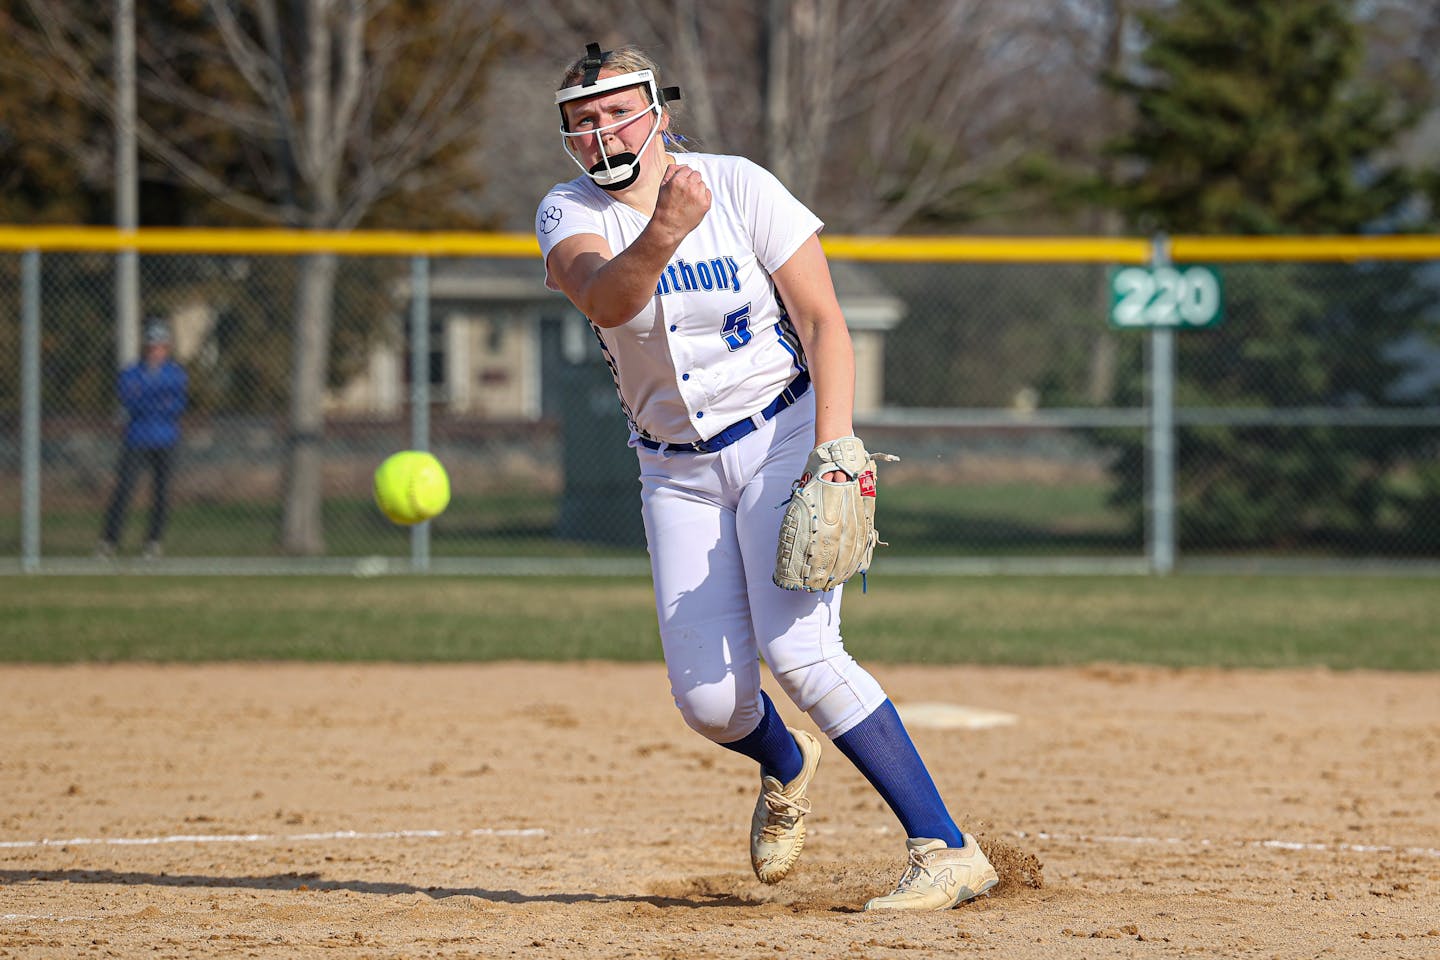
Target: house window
x: 435, y: 363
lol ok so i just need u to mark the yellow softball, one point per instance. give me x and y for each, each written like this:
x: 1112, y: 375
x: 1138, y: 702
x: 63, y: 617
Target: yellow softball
x: 411, y: 487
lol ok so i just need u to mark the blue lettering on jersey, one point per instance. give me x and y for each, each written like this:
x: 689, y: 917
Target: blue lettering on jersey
x: 715, y: 274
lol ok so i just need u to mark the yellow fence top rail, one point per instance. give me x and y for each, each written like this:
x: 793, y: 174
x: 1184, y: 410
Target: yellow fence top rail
x: 1134, y: 250
x: 991, y: 249
x: 1239, y: 249
x: 359, y: 242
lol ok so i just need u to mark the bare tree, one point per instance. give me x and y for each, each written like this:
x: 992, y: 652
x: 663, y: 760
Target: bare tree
x: 938, y: 98
x: 1096, y: 38
x: 872, y: 111
x: 1106, y: 221
x: 337, y: 105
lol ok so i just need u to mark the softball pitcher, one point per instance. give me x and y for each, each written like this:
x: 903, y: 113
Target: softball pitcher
x: 706, y: 285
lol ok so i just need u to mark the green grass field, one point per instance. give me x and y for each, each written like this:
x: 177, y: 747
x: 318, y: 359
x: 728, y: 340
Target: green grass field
x: 919, y: 521
x: 1388, y: 623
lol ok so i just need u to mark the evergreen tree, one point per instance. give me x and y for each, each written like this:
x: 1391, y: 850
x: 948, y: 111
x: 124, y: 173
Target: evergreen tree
x: 1250, y: 121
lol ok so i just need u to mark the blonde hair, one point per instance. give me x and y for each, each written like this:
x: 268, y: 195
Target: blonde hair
x: 626, y: 59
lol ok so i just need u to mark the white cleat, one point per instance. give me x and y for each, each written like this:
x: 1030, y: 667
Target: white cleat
x: 777, y: 829
x: 939, y: 877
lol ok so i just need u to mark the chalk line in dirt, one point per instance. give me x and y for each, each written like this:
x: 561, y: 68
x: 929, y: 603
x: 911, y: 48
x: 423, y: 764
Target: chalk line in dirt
x: 346, y: 835
x: 272, y: 837
x: 1206, y: 842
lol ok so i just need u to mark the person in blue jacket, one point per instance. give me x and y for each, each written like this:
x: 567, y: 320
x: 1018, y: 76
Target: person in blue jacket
x: 154, y: 392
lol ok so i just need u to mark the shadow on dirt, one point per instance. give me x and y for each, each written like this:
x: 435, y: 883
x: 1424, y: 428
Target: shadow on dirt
x: 315, y: 882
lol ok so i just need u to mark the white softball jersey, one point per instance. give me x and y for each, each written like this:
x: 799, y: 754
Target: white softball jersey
x: 714, y: 345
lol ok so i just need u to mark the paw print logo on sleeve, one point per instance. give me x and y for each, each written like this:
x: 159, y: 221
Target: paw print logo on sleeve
x: 549, y: 219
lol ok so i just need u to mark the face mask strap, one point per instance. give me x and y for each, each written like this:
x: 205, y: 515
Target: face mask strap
x: 594, y: 60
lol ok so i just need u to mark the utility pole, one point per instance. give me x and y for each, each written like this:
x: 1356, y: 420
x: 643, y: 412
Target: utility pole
x: 127, y: 200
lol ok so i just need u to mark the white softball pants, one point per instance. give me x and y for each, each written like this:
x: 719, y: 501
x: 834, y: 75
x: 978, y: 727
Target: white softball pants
x: 712, y: 521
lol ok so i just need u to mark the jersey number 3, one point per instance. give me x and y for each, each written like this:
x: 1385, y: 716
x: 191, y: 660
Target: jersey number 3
x: 736, y: 331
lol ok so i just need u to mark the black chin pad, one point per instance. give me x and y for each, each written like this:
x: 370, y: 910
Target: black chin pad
x: 619, y: 160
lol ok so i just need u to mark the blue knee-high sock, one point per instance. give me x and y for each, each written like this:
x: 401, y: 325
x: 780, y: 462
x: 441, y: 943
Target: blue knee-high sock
x: 881, y: 749
x: 771, y: 745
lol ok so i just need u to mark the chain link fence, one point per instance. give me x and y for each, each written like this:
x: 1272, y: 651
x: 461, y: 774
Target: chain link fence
x: 1305, y: 424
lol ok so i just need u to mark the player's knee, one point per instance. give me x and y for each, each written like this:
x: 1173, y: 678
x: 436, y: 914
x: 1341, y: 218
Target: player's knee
x: 836, y: 692
x: 807, y: 684
x: 715, y: 715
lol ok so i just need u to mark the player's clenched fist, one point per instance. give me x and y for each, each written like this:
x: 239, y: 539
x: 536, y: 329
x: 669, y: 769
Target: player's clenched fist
x: 684, y: 199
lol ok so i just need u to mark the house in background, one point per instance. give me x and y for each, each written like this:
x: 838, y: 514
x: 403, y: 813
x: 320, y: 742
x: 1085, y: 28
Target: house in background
x: 499, y: 341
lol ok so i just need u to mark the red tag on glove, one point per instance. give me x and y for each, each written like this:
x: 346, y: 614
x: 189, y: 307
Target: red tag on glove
x: 867, y: 483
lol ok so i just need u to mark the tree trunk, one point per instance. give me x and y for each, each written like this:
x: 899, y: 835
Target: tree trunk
x: 302, y: 526
x: 1104, y: 350
x: 776, y: 90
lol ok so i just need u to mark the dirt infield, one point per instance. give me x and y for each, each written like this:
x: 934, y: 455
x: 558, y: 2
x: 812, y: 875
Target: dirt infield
x: 545, y: 811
